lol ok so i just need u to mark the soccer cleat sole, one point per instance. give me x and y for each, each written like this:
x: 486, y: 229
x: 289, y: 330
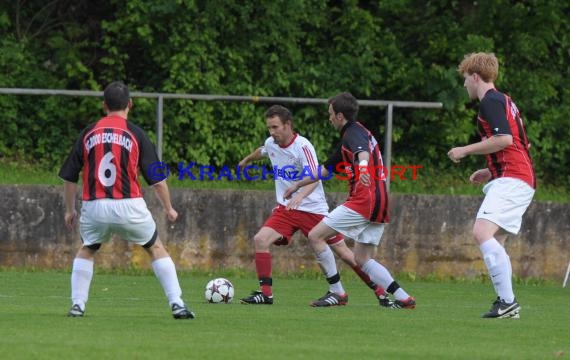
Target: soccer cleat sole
x: 242, y: 301
x: 183, y: 316
x: 516, y: 315
x: 329, y: 300
x: 329, y: 305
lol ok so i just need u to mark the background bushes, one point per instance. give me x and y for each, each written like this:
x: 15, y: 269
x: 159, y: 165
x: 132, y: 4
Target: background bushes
x: 389, y: 50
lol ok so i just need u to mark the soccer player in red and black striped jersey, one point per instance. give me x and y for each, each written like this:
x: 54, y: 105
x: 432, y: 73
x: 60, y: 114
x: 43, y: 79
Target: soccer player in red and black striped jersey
x: 110, y: 154
x: 363, y: 215
x: 509, y: 175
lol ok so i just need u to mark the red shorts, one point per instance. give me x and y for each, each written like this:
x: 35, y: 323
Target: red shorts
x: 287, y: 222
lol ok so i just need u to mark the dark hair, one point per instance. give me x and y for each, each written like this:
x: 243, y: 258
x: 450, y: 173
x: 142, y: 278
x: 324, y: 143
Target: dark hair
x: 346, y: 104
x: 116, y: 96
x: 281, y: 112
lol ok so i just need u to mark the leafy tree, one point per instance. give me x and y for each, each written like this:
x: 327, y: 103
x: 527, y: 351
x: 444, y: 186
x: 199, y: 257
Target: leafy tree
x: 387, y: 49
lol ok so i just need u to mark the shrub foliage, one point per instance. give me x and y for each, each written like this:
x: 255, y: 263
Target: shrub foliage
x: 385, y: 49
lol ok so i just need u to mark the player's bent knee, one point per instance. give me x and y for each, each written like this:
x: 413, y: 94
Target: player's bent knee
x: 258, y: 239
x: 263, y: 242
x: 316, y: 238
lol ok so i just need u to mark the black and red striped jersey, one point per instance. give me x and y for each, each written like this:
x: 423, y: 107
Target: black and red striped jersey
x: 498, y: 115
x: 110, y: 154
x: 372, y: 201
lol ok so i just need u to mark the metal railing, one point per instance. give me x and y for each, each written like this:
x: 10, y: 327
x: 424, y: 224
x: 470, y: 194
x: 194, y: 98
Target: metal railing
x: 388, y: 104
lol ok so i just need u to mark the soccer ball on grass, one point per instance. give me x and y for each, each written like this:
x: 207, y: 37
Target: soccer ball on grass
x: 219, y: 290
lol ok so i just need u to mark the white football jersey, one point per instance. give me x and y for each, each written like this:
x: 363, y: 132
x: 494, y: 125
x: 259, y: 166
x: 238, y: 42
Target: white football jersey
x: 292, y: 163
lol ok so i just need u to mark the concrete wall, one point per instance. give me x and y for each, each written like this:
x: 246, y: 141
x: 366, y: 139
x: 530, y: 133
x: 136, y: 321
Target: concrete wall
x: 427, y: 235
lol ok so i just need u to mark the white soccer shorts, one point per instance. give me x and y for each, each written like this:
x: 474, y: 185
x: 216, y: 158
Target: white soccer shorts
x: 506, y: 200
x: 354, y: 226
x: 128, y: 218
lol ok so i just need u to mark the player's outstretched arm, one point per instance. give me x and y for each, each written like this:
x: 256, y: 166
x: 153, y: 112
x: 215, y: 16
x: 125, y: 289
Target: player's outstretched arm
x: 255, y: 155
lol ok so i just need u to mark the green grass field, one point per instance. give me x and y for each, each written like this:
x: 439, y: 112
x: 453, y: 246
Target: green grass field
x: 127, y: 317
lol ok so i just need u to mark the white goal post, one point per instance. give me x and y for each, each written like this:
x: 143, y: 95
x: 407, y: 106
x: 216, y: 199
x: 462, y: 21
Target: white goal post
x: 566, y: 277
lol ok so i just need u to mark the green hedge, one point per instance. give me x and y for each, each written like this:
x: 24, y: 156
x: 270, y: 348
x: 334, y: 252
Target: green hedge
x: 392, y: 49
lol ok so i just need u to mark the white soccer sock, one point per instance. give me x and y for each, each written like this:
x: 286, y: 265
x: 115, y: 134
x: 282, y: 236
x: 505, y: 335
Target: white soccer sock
x: 499, y: 266
x: 401, y: 294
x: 165, y: 271
x: 328, y: 264
x: 81, y: 275
x: 381, y: 276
